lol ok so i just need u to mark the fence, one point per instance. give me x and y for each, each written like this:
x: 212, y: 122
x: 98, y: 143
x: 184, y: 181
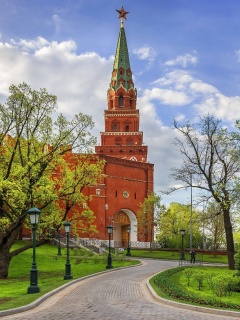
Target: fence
x: 188, y: 261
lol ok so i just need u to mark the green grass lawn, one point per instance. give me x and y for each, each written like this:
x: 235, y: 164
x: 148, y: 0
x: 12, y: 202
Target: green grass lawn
x: 51, y: 270
x: 172, y: 255
x: 205, y: 296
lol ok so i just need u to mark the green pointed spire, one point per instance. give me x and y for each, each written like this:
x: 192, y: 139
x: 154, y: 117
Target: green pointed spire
x: 121, y: 68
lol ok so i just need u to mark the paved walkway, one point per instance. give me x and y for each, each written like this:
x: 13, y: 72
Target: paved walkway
x: 114, y: 295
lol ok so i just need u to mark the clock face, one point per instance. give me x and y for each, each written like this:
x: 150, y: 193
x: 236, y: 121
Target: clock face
x: 125, y: 194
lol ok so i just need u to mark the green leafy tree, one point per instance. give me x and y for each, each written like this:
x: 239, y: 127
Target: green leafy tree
x: 174, y: 218
x: 211, y: 158
x: 214, y: 225
x: 148, y: 216
x: 43, y: 163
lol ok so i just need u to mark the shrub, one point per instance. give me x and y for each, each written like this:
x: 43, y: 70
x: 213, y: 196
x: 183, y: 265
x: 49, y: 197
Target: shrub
x: 96, y: 258
x: 188, y: 272
x: 81, y: 259
x: 90, y: 253
x: 163, y: 281
x: 199, y: 277
x: 209, y: 277
x: 224, y: 284
x: 237, y: 262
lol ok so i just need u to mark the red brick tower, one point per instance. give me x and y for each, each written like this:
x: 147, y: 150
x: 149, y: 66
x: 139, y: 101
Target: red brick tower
x: 128, y: 177
x: 122, y: 138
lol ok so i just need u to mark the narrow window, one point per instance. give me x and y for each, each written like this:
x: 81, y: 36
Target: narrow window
x: 130, y: 101
x: 121, y: 101
x: 116, y: 193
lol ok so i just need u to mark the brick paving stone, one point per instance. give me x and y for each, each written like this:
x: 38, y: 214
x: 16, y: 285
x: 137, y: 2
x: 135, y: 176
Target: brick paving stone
x: 118, y: 295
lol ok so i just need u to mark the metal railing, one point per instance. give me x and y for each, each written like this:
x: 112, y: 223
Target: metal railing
x: 188, y: 261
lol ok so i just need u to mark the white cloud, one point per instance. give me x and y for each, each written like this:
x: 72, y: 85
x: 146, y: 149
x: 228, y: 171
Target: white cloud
x: 29, y: 45
x: 182, y: 88
x: 79, y: 81
x: 184, y: 61
x: 222, y: 107
x: 168, y: 97
x: 180, y: 117
x: 238, y: 55
x: 145, y: 53
x: 177, y: 78
x: 200, y: 87
x: 57, y: 22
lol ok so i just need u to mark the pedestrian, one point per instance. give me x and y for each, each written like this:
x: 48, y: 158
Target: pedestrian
x: 193, y: 254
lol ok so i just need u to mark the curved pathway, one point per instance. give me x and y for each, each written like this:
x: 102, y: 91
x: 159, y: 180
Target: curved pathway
x: 114, y: 295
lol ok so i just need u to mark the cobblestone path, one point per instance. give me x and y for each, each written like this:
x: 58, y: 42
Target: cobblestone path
x: 115, y: 295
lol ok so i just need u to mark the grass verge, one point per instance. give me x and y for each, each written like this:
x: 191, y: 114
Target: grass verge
x: 173, y: 285
x: 51, y: 270
x: 173, y: 255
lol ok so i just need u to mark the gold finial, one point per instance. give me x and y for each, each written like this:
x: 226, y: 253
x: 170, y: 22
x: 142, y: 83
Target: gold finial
x: 122, y: 15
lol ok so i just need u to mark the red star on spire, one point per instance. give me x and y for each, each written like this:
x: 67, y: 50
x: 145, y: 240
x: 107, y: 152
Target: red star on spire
x: 122, y: 13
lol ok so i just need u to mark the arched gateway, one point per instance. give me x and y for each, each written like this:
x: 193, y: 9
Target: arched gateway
x: 123, y: 219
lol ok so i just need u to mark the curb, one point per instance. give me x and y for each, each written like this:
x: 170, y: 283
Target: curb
x: 41, y: 299
x: 189, y: 306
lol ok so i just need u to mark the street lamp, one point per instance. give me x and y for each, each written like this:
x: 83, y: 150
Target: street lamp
x: 59, y: 242
x: 128, y: 248
x: 191, y: 205
x: 182, y: 231
x: 68, y: 275
x: 110, y: 231
x: 34, y: 217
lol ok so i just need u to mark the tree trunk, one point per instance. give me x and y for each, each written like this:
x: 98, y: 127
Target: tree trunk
x: 215, y: 241
x: 5, y: 259
x: 229, y: 239
x: 6, y: 242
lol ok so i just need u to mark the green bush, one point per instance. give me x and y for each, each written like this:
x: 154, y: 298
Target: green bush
x: 163, y: 281
x: 75, y: 251
x: 81, y: 259
x: 209, y: 277
x: 188, y: 272
x: 199, y: 277
x: 96, y: 258
x: 237, y: 262
x: 224, y: 284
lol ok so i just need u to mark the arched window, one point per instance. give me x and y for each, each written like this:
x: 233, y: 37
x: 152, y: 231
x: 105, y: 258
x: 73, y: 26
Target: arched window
x: 130, y: 101
x: 127, y: 128
x: 121, y: 101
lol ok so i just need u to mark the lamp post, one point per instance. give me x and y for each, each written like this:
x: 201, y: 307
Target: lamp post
x: 110, y: 231
x: 59, y: 242
x: 182, y: 231
x: 68, y: 275
x: 128, y: 248
x: 191, y: 214
x: 34, y: 217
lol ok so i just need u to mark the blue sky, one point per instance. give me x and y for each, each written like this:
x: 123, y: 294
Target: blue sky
x: 185, y: 58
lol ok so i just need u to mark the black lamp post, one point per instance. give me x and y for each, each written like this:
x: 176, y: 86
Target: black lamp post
x: 59, y: 242
x: 182, y: 231
x: 68, y: 275
x: 34, y: 217
x: 110, y: 231
x: 128, y: 248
